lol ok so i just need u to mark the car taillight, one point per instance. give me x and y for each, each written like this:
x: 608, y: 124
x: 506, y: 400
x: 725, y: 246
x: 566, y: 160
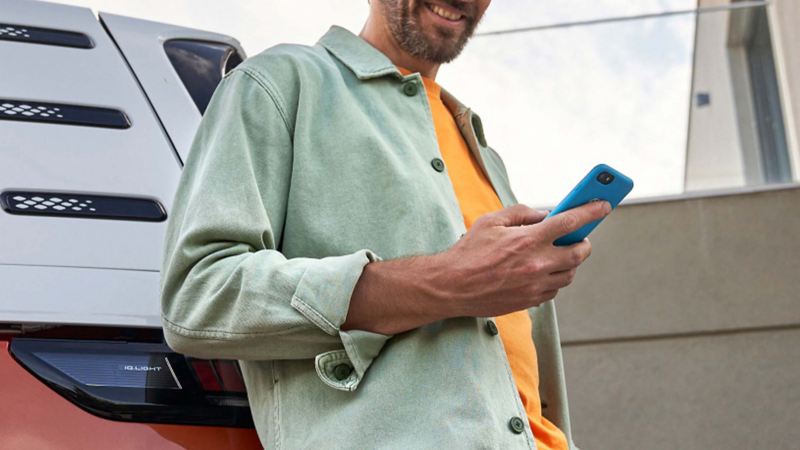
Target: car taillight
x: 218, y: 375
x: 138, y: 381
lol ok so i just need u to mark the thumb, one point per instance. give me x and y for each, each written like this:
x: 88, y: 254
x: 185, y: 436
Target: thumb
x: 518, y: 215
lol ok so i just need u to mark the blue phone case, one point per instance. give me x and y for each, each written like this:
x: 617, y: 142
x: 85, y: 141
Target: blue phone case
x: 590, y: 188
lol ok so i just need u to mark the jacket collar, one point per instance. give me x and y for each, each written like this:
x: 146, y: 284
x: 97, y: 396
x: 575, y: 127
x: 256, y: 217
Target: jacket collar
x: 368, y: 62
x: 359, y: 56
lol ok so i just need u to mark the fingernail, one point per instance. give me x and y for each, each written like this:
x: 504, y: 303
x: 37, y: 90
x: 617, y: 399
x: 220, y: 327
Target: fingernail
x: 607, y: 208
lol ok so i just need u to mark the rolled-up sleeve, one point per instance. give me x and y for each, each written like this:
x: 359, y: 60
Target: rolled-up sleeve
x: 226, y: 290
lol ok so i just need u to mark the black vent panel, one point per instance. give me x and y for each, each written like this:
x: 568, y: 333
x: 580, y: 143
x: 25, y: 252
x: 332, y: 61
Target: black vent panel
x: 47, y: 36
x: 65, y: 114
x: 64, y: 204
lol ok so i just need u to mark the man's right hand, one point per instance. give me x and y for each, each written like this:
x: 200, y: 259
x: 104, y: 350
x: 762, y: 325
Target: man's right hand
x: 507, y: 261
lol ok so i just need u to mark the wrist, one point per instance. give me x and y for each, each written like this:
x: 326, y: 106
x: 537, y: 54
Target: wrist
x: 437, y: 282
x: 399, y: 295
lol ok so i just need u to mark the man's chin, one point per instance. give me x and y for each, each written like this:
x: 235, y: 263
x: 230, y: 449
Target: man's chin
x: 444, y: 52
x: 433, y: 42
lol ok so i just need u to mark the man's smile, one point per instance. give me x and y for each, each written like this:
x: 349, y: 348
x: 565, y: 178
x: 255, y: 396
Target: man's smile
x: 445, y: 11
x: 446, y: 15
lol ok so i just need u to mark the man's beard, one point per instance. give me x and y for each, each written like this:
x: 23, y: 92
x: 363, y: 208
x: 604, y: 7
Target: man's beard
x: 404, y: 24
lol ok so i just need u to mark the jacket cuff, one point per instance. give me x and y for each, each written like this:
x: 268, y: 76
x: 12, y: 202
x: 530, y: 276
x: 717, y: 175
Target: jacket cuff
x: 323, y: 297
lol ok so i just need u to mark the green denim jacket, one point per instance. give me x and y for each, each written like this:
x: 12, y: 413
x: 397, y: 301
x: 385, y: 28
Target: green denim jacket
x: 309, y: 163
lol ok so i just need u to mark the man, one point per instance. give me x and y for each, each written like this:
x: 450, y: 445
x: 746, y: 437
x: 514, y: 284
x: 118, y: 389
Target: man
x: 316, y: 236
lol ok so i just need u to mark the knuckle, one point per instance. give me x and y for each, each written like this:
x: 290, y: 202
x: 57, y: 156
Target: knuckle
x: 576, y: 258
x: 534, y: 267
x: 601, y: 208
x: 517, y: 211
x: 569, y: 222
x: 547, y: 296
x: 485, y: 219
x: 571, y: 276
x: 519, y: 207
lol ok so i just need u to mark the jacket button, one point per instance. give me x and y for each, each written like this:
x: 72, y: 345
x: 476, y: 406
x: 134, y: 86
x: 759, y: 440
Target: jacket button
x: 437, y: 164
x: 517, y: 425
x: 342, y: 371
x: 491, y: 328
x: 410, y: 88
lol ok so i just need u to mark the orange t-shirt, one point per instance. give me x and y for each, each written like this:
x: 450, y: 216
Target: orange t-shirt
x: 476, y: 197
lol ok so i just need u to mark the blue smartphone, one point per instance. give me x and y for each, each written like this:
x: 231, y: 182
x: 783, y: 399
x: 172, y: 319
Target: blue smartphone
x: 601, y: 183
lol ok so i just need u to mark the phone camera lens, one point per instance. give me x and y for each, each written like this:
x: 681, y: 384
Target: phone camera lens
x: 605, y: 178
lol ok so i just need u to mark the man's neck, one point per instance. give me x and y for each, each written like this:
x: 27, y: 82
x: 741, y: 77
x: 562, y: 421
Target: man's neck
x: 377, y: 34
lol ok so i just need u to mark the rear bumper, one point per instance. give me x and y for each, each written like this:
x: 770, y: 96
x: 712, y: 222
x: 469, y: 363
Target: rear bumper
x: 35, y: 417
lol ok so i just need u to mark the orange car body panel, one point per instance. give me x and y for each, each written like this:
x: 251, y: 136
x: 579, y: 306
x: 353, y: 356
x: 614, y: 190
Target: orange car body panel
x: 34, y: 417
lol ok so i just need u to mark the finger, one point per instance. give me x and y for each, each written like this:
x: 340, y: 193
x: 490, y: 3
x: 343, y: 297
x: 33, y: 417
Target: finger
x: 561, y: 279
x: 571, y: 256
x: 516, y: 215
x: 572, y: 220
x: 547, y: 296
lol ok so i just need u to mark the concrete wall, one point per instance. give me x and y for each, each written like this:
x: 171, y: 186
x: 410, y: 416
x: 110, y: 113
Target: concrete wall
x: 682, y: 331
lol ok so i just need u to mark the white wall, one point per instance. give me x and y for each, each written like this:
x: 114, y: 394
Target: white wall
x: 714, y: 153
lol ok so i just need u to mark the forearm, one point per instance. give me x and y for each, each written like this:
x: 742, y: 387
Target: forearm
x: 398, y: 295
x: 498, y: 267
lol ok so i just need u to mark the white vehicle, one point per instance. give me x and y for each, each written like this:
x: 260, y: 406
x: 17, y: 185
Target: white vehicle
x: 96, y: 116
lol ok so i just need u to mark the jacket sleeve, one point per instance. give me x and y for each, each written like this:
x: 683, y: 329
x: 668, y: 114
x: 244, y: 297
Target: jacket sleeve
x: 226, y: 290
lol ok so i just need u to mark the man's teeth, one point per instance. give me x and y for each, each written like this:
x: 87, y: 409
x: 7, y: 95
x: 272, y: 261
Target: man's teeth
x: 441, y: 12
